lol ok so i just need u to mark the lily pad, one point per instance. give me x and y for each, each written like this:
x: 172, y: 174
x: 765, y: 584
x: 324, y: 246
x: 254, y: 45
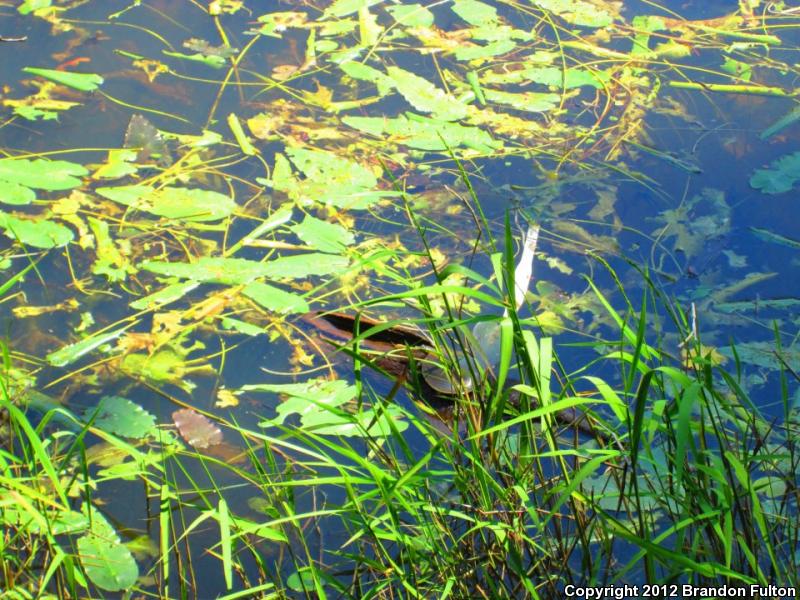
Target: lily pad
x: 39, y: 233
x: 107, y: 562
x: 42, y: 174
x: 122, y: 417
x: 14, y: 193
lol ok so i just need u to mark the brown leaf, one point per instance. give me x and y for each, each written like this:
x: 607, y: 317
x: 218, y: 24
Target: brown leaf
x: 196, y: 429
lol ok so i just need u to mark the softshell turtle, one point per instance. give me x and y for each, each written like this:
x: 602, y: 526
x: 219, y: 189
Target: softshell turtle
x: 397, y: 345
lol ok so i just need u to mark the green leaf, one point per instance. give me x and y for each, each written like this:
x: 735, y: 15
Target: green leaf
x: 474, y: 12
x: 29, y: 6
x: 577, y: 12
x: 14, y: 193
x: 342, y: 8
x: 179, y: 203
x: 122, y: 417
x: 208, y: 269
x: 527, y: 101
x: 119, y: 164
x: 110, y: 261
x: 426, y: 97
x: 69, y: 354
x: 39, y: 233
x: 214, y: 61
x: 42, y: 174
x: 275, y: 299
x: 425, y: 134
x: 241, y: 326
x: 779, y: 177
x: 164, y: 296
x: 363, y: 72
x: 85, y: 82
x: 324, y: 236
x: 411, y: 15
x: 329, y: 179
x: 107, y: 562
x: 304, y: 265
x: 318, y: 403
x: 568, y: 79
x: 475, y: 52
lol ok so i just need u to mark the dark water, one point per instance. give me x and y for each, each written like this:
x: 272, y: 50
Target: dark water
x: 701, y: 164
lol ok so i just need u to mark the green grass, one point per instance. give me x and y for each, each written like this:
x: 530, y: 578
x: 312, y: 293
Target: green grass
x: 685, y: 482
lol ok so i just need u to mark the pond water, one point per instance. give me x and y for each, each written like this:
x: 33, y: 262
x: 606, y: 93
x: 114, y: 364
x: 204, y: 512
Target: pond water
x: 650, y: 138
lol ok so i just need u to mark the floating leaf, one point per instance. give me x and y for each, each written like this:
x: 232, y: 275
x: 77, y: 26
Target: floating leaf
x: 411, y: 15
x: 328, y: 237
x: 196, y: 429
x: 318, y: 403
x: 577, y: 12
x: 275, y: 299
x: 764, y: 355
x: 14, y: 193
x: 42, y: 174
x: 208, y: 269
x: 329, y: 179
x: 69, y: 354
x: 110, y: 261
x: 119, y: 164
x: 474, y: 12
x: 241, y: 326
x: 426, y: 97
x: 122, y: 417
x: 779, y: 177
x: 527, y: 101
x: 85, y: 82
x: 304, y: 265
x: 107, y: 562
x: 164, y: 296
x: 342, y: 8
x: 29, y: 6
x: 475, y: 51
x: 184, y: 204
x: 424, y: 133
x: 363, y: 72
x: 217, y: 62
x: 39, y: 233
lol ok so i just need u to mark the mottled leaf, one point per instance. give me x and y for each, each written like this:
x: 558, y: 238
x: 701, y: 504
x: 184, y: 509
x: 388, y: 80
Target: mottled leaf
x: 196, y: 429
x: 122, y: 417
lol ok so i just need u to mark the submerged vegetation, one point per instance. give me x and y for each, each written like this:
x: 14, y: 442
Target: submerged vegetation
x: 176, y: 422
